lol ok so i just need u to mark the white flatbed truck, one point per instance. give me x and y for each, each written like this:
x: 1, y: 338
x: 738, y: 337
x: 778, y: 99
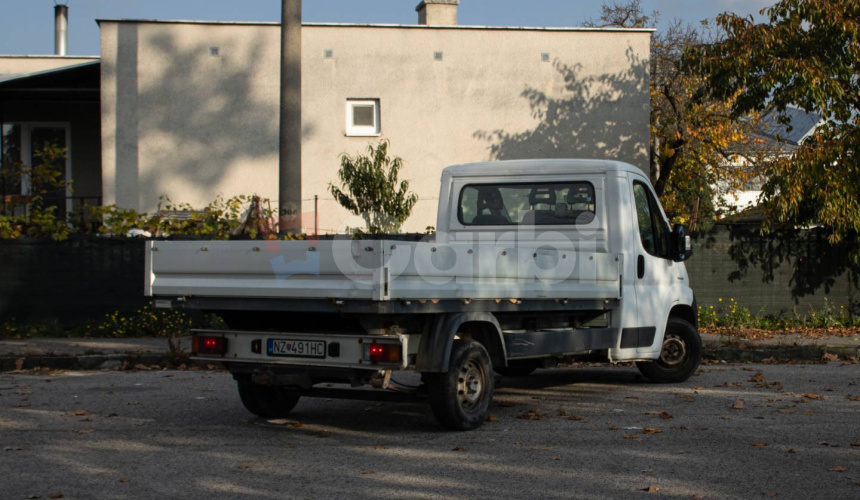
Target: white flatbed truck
x: 533, y: 262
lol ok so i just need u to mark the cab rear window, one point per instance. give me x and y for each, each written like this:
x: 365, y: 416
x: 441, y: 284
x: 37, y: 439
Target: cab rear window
x: 527, y: 204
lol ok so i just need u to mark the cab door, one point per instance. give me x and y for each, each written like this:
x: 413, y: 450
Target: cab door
x: 654, y: 269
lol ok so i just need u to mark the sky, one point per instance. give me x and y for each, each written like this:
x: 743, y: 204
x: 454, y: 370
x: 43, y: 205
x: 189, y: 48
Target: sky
x: 27, y: 26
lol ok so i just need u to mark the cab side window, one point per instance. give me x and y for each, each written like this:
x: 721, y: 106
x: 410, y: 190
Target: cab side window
x: 652, y: 228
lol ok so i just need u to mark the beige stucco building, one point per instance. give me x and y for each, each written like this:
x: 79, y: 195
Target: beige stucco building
x: 190, y: 109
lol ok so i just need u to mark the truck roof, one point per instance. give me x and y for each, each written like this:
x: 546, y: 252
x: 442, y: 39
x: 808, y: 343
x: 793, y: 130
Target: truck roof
x: 540, y: 167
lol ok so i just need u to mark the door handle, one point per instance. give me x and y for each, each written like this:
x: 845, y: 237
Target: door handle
x: 640, y: 267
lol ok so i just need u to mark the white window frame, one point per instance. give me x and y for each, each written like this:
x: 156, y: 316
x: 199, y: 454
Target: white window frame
x: 362, y: 131
x: 27, y: 153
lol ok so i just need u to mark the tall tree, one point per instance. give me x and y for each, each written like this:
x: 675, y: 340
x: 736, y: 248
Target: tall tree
x: 808, y: 55
x: 696, y: 146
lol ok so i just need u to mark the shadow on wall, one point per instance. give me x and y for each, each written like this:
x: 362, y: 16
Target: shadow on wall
x: 202, y: 113
x: 603, y: 117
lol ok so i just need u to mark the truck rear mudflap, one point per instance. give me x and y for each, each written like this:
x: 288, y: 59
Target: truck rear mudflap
x: 295, y: 349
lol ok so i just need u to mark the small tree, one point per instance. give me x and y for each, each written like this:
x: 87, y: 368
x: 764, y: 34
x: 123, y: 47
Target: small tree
x: 370, y: 189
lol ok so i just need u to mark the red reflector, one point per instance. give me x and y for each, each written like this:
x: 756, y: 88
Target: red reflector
x: 383, y: 353
x: 211, y: 345
x: 376, y: 352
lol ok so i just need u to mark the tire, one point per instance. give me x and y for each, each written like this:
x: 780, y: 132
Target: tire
x: 518, y: 368
x: 265, y: 401
x: 460, y: 399
x: 679, y: 357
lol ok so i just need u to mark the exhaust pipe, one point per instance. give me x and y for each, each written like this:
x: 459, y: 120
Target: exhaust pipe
x: 61, y: 30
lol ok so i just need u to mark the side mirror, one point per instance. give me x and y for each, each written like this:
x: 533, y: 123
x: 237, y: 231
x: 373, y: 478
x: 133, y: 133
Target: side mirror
x: 682, y: 244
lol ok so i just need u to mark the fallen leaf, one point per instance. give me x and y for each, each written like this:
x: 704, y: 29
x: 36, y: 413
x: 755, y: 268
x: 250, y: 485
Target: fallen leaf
x: 631, y: 397
x: 169, y: 375
x: 829, y: 356
x: 123, y: 479
x: 853, y: 398
x: 729, y: 384
x: 651, y: 489
x: 739, y: 405
x: 492, y: 418
x: 33, y: 496
x: 111, y: 415
x: 561, y: 413
x: 283, y: 421
x: 632, y: 436
x: 758, y: 377
x: 245, y: 467
x: 770, y: 494
x: 857, y: 443
x: 19, y: 364
x: 838, y: 468
x: 575, y: 417
x: 665, y: 416
x: 367, y: 472
x: 56, y: 495
x: 759, y: 444
x: 533, y: 414
x: 650, y: 430
x: 459, y: 448
x: 791, y: 450
x: 380, y: 447
x: 288, y: 447
x: 829, y: 389
x: 812, y: 395
x: 84, y: 431
x: 786, y: 410
x: 81, y: 413
x: 14, y: 448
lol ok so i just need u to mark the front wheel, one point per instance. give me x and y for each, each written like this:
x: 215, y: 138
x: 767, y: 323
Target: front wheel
x: 679, y: 357
x: 265, y: 401
x: 460, y: 399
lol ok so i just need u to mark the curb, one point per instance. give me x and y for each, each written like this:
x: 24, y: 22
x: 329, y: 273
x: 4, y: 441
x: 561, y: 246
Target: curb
x: 758, y: 354
x: 750, y: 354
x: 91, y: 362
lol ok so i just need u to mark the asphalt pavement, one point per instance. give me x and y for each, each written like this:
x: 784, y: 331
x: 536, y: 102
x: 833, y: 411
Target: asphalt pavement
x: 732, y: 431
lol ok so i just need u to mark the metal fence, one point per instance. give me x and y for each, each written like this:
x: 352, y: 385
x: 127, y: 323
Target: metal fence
x: 70, y: 282
x: 777, y: 274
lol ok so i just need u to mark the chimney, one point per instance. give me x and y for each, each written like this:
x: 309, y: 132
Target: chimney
x: 61, y: 30
x: 438, y: 12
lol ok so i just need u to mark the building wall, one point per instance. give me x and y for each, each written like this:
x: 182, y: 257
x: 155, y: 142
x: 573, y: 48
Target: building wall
x: 22, y: 65
x: 180, y: 122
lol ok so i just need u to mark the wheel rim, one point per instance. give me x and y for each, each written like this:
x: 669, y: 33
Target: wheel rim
x: 674, y: 350
x: 470, y: 385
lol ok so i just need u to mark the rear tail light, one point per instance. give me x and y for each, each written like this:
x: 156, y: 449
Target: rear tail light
x: 208, y: 345
x: 383, y: 353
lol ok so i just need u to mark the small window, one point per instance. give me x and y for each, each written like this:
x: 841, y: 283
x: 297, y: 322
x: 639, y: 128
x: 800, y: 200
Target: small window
x: 527, y: 204
x: 328, y: 54
x: 362, y: 117
x: 653, y: 229
x: 438, y: 56
x: 544, y: 57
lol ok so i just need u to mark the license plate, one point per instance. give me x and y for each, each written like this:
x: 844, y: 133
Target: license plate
x: 296, y: 348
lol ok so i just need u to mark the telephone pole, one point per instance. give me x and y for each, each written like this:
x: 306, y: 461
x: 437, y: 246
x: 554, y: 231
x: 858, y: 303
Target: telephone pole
x: 290, y: 140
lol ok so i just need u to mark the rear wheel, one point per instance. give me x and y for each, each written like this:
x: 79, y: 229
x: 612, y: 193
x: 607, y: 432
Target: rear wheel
x: 679, y: 357
x: 265, y: 401
x: 460, y: 399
